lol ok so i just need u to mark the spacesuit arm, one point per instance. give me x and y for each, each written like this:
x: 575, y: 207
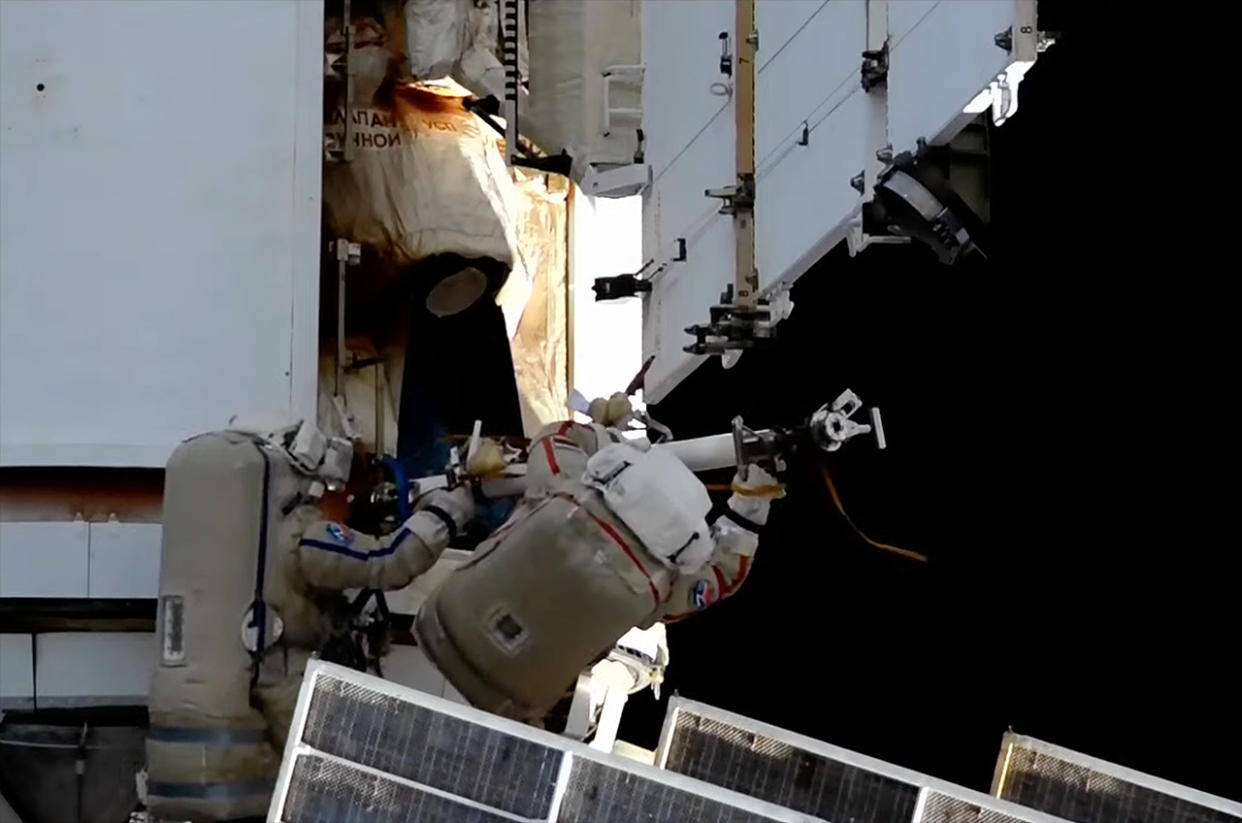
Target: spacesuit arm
x: 332, y: 556
x: 736, y: 537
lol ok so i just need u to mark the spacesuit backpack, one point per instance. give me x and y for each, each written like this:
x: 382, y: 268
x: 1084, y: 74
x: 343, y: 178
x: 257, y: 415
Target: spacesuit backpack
x: 227, y: 497
x: 549, y: 593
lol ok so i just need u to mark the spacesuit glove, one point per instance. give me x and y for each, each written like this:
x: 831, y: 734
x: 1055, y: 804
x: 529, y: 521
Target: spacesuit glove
x: 455, y: 504
x: 758, y: 483
x: 487, y: 459
x: 614, y: 412
x: 753, y: 496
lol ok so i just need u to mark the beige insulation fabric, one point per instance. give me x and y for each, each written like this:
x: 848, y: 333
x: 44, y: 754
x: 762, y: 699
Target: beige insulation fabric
x: 425, y: 179
x: 428, y: 177
x: 540, y: 347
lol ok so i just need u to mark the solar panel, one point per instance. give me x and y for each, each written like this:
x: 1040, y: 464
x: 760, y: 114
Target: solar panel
x: 330, y: 791
x: 938, y: 807
x: 364, y: 750
x: 385, y: 733
x: 779, y: 766
x: 1088, y: 790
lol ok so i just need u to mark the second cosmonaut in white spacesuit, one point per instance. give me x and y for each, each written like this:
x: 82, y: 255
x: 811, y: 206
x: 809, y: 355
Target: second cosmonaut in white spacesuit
x: 609, y: 535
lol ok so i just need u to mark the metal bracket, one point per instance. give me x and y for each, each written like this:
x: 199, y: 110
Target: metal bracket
x: 736, y: 198
x: 734, y: 328
x: 750, y: 446
x: 874, y: 71
x: 640, y: 282
x: 831, y: 426
x: 621, y: 181
x: 857, y: 239
x: 348, y: 254
x: 623, y: 285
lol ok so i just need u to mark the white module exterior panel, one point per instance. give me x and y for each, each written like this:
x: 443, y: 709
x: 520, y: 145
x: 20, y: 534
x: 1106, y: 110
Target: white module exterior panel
x: 804, y: 192
x: 942, y: 55
x: 124, y: 560
x: 691, y: 150
x: 94, y: 668
x: 808, y: 62
x: 44, y: 559
x: 159, y: 222
x: 681, y: 50
x: 16, y: 671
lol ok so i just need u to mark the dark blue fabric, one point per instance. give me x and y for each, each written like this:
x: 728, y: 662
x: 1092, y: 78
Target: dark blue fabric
x: 336, y: 548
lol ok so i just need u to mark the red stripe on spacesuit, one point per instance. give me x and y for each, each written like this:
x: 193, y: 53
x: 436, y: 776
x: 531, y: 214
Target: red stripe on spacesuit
x: 620, y: 541
x: 566, y: 426
x: 551, y: 453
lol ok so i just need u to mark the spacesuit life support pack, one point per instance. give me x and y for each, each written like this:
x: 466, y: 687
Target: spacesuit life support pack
x: 610, y: 535
x: 251, y: 583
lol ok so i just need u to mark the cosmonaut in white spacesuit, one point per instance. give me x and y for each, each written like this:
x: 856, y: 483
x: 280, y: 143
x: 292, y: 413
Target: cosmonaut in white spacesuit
x: 246, y: 551
x: 610, y: 534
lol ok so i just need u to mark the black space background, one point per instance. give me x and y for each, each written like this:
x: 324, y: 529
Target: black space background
x: 1058, y: 420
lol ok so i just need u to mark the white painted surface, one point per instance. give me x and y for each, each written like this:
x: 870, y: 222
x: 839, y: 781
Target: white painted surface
x: 100, y: 668
x: 159, y: 221
x: 957, y: 37
x: 16, y: 669
x: 605, y: 239
x: 124, y: 560
x: 809, y: 58
x: 44, y: 559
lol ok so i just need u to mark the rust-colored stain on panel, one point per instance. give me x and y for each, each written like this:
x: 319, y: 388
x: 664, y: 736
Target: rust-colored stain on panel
x: 43, y: 494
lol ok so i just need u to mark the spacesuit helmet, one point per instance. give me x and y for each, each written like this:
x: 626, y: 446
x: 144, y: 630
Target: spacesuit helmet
x: 313, y: 453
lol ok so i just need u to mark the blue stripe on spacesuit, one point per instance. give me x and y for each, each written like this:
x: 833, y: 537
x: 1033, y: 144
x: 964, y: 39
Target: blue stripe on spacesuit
x: 336, y: 548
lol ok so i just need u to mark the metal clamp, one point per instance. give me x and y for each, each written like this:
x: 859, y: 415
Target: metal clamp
x: 734, y: 328
x: 623, y: 285
x: 750, y: 446
x: 831, y: 425
x: 740, y: 197
x: 874, y: 71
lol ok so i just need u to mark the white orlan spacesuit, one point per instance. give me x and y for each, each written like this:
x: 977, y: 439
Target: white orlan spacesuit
x: 610, y: 535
